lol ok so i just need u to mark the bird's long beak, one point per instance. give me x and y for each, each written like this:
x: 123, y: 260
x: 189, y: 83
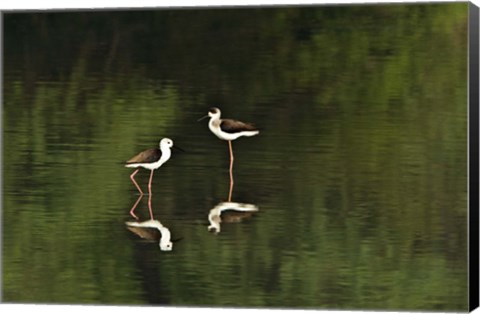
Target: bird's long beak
x: 176, y: 240
x: 178, y: 148
x: 202, y: 118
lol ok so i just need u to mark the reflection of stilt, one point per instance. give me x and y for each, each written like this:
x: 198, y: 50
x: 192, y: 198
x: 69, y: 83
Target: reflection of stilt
x: 231, y: 172
x: 150, y: 183
x: 230, y: 192
x: 231, y: 166
x: 150, y: 204
x: 135, y: 206
x: 135, y: 182
x: 143, y: 230
x: 238, y: 211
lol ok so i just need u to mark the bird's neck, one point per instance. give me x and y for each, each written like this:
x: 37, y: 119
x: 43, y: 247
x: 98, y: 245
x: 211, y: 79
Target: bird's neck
x: 214, y: 122
x: 166, y: 152
x: 165, y: 235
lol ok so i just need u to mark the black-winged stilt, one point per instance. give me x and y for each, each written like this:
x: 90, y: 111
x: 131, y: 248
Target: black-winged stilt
x: 228, y: 130
x: 151, y: 159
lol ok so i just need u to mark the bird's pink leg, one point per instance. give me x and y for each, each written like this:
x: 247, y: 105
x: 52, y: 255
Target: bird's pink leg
x: 231, y: 170
x: 135, y: 182
x: 135, y: 206
x: 230, y: 192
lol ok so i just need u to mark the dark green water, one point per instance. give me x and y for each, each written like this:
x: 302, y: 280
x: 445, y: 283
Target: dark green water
x: 359, y: 172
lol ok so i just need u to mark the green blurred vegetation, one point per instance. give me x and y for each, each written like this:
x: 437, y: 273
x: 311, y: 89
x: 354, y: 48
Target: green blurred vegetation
x: 360, y: 171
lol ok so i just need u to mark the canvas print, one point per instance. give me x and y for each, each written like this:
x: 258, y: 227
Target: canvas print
x: 299, y: 157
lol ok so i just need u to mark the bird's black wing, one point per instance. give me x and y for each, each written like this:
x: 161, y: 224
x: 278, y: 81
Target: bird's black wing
x: 147, y: 156
x: 233, y: 126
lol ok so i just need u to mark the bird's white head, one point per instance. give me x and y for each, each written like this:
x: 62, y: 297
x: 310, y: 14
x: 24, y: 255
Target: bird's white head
x: 165, y: 242
x: 214, y: 113
x: 166, y: 246
x: 166, y: 142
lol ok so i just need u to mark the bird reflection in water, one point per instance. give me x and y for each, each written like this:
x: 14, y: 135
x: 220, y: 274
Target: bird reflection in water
x: 234, y: 212
x: 132, y: 210
x: 152, y: 230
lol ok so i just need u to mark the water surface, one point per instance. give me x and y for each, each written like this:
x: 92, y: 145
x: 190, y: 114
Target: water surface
x: 358, y: 174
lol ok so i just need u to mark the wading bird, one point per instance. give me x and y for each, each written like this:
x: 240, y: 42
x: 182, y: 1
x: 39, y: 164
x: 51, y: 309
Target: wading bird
x: 228, y: 130
x: 151, y: 159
